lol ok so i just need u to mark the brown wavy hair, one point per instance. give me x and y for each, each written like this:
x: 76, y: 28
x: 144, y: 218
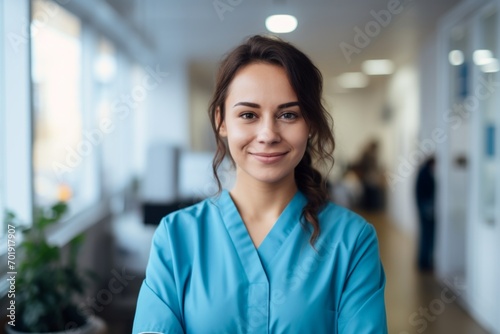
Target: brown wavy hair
x: 307, y: 82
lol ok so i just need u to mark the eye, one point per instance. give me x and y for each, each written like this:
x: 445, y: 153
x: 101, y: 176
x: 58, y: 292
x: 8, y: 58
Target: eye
x: 288, y: 115
x: 247, y: 115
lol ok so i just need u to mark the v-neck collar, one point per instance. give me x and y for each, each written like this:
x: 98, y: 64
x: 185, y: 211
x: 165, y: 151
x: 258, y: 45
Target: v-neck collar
x: 257, y: 259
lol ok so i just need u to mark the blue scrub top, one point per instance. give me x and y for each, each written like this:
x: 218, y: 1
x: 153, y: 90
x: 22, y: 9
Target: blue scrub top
x: 205, y: 275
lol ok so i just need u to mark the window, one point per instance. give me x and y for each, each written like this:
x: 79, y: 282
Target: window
x: 105, y: 78
x: 62, y: 151
x: 118, y: 106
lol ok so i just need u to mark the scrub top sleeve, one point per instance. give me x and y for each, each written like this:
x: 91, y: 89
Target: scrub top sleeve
x: 362, y: 306
x: 158, y: 309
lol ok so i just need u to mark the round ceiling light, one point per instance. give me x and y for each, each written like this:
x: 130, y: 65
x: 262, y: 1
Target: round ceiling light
x: 456, y: 57
x: 281, y: 24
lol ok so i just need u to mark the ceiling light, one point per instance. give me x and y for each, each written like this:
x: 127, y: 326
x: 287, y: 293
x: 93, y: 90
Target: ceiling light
x: 352, y: 80
x: 456, y: 57
x: 378, y: 67
x: 491, y: 67
x: 281, y: 24
x: 482, y: 57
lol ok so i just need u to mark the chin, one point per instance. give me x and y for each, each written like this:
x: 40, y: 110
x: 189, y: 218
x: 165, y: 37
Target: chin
x: 271, y: 178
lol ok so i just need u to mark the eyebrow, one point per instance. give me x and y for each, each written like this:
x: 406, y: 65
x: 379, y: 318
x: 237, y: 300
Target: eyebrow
x: 255, y: 105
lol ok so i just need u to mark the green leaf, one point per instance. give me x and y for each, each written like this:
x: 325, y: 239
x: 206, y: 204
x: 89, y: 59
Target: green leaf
x: 47, y: 282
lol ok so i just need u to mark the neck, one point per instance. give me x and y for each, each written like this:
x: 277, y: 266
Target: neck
x: 258, y: 201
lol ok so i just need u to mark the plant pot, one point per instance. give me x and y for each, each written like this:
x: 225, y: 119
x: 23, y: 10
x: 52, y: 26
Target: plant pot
x: 94, y: 325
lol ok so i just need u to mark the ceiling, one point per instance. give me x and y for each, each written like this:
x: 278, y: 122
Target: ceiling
x: 194, y: 31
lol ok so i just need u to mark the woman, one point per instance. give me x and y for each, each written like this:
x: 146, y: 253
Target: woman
x: 272, y: 255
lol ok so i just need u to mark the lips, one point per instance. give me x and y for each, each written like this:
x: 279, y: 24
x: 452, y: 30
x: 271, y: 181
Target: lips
x: 269, y: 158
x: 267, y: 155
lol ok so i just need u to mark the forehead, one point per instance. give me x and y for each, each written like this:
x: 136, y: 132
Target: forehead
x: 261, y: 82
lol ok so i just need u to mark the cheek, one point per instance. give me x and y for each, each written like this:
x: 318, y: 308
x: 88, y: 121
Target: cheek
x: 302, y: 145
x: 299, y: 139
x: 238, y: 137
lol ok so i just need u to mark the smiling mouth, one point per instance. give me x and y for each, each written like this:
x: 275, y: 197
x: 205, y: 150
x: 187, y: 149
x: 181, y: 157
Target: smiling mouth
x: 269, y: 155
x: 269, y: 158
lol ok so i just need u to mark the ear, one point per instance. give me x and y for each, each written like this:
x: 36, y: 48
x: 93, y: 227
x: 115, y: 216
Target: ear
x: 222, y: 130
x: 311, y: 132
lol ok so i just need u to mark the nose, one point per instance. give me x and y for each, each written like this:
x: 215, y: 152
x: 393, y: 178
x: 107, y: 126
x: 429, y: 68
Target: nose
x: 268, y: 132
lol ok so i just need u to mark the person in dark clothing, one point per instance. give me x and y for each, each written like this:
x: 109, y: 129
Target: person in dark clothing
x: 371, y: 177
x: 425, y: 195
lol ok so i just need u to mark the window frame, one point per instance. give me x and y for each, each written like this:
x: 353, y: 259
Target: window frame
x: 18, y: 173
x: 2, y: 126
x: 17, y: 137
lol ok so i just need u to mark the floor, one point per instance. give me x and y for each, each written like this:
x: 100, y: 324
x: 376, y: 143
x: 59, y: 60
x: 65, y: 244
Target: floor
x: 415, y: 302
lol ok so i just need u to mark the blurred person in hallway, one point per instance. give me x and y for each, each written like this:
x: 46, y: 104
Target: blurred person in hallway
x: 372, y: 179
x: 273, y: 254
x: 348, y: 191
x: 425, y: 196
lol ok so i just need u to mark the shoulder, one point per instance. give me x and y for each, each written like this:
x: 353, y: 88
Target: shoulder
x: 183, y: 229
x: 193, y: 214
x: 333, y: 214
x: 191, y: 220
x: 188, y: 211
x: 342, y: 225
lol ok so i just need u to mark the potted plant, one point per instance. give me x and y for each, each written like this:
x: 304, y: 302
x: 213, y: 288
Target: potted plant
x: 47, y: 283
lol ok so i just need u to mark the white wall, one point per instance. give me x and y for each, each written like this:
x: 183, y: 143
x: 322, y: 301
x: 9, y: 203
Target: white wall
x: 166, y: 115
x: 167, y: 106
x: 428, y: 87
x: 200, y: 94
x: 357, y: 117
x: 403, y: 96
